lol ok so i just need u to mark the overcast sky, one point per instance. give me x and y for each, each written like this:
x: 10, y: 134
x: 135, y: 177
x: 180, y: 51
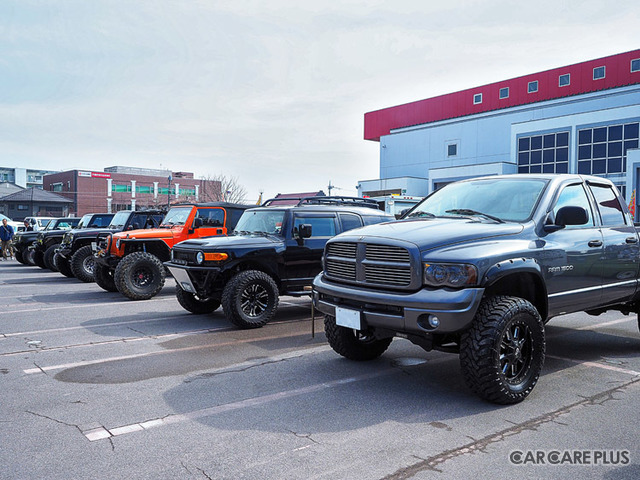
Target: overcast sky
x: 271, y: 92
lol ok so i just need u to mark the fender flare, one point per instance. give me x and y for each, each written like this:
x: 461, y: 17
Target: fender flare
x: 519, y: 265
x: 509, y: 266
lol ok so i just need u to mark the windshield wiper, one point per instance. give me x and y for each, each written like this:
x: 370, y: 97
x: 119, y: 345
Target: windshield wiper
x: 468, y: 211
x: 420, y: 214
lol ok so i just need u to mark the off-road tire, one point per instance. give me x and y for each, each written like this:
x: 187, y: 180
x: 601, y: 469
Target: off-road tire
x: 38, y: 259
x: 28, y: 256
x: 139, y: 276
x: 354, y: 344
x: 250, y: 299
x: 104, y: 278
x: 49, y: 253
x: 502, y: 353
x: 193, y: 304
x: 18, y: 254
x: 83, y: 264
x: 63, y: 266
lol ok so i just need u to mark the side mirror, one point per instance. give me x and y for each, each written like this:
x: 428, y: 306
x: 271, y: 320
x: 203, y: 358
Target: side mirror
x: 197, y: 222
x: 304, y: 230
x: 568, y: 216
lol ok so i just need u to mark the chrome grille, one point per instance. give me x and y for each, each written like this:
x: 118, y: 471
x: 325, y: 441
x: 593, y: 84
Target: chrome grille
x: 344, y: 270
x: 369, y: 264
x: 345, y: 250
x: 387, y: 253
x: 388, y: 275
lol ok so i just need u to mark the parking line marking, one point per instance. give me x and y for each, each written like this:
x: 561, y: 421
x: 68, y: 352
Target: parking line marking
x: 603, y: 366
x: 99, y: 434
x: 31, y: 371
x: 80, y: 305
x: 178, y: 316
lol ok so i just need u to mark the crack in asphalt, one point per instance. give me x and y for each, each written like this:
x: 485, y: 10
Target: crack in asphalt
x: 204, y: 473
x: 237, y: 370
x: 40, y: 368
x: 480, y: 445
x: 53, y: 419
x: 306, y: 436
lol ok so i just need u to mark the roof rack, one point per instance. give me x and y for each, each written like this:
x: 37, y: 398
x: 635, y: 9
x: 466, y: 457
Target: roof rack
x: 268, y: 203
x: 339, y: 200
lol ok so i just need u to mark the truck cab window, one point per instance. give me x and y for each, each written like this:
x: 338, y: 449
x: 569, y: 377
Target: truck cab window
x: 574, y: 196
x: 611, y: 212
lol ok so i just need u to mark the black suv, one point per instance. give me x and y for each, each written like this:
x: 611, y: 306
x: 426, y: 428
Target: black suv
x: 74, y: 257
x: 275, y: 250
x: 47, y: 242
x: 23, y: 242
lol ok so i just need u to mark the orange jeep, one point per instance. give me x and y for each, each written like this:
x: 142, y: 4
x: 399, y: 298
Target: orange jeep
x: 131, y: 261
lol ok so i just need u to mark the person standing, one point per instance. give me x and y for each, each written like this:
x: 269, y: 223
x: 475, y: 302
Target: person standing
x: 27, y: 226
x: 6, y: 234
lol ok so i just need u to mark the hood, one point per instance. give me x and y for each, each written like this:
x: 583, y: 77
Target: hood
x: 437, y: 232
x: 89, y: 232
x: 230, y: 242
x: 152, y: 233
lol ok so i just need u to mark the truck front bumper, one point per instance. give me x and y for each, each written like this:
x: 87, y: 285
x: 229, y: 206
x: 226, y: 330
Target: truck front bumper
x: 401, y: 312
x: 185, y: 281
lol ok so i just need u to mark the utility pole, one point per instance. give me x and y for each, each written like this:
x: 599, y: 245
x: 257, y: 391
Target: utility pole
x: 330, y: 187
x: 169, y: 193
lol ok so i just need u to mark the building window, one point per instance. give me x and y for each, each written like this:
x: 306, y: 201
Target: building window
x: 504, y: 92
x: 635, y: 65
x: 452, y: 150
x: 603, y: 150
x: 187, y: 192
x: 564, y: 80
x: 532, y: 87
x: 545, y: 153
x: 144, y: 189
x: 23, y: 207
x: 56, y: 187
x: 598, y: 73
x: 477, y: 98
x: 120, y: 188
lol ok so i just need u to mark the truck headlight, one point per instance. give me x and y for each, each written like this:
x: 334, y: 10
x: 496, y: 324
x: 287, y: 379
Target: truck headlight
x: 449, y: 274
x: 199, y: 257
x: 118, y: 243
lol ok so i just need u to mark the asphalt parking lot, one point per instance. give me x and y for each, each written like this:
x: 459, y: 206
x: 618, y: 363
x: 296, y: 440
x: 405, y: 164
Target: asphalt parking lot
x: 98, y: 386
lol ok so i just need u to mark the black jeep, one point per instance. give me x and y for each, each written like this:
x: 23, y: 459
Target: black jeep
x: 74, y: 257
x: 275, y: 250
x: 47, y: 242
x: 23, y: 242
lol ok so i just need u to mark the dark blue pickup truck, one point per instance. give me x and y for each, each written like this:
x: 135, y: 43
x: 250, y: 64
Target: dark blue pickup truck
x: 477, y: 268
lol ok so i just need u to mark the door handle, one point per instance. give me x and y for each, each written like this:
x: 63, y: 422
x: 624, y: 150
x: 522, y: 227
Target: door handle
x: 632, y: 240
x: 595, y: 243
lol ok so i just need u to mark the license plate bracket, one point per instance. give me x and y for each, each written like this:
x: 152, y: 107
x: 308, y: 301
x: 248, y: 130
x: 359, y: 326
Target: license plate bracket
x: 348, y: 318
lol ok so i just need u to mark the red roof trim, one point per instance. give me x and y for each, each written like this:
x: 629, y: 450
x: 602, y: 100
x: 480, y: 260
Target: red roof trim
x: 460, y: 104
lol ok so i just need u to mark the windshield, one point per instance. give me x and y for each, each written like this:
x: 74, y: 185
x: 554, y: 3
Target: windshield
x: 260, y: 221
x: 176, y: 216
x: 84, y: 221
x: 119, y: 219
x: 499, y: 199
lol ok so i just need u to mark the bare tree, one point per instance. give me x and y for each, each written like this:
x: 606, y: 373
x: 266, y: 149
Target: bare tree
x: 220, y: 188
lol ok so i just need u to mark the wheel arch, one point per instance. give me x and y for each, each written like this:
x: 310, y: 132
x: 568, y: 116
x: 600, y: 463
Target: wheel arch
x: 156, y: 247
x: 253, y: 265
x: 519, y: 277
